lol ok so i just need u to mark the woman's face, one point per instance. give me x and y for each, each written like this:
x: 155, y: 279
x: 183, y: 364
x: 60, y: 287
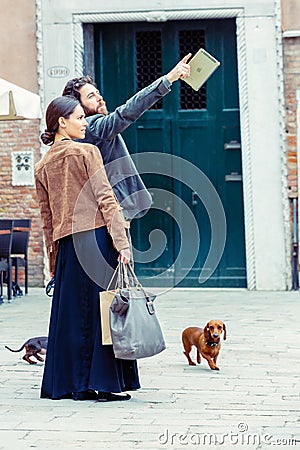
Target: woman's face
x: 75, y: 125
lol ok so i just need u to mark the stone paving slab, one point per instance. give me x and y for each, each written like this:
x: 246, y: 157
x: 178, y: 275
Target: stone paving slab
x: 253, y: 402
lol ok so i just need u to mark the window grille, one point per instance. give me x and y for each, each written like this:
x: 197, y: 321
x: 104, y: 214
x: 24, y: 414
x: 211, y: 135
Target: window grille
x: 189, y: 42
x: 148, y: 50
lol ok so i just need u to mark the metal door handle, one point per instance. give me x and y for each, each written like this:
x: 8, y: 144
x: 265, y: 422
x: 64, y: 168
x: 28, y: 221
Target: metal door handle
x: 232, y: 145
x: 233, y: 177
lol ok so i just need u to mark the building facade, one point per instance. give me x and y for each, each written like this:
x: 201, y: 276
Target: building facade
x: 19, y: 136
x: 235, y: 135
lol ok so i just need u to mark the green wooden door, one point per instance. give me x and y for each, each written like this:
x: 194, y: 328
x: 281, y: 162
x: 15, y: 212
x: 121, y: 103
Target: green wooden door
x: 201, y: 128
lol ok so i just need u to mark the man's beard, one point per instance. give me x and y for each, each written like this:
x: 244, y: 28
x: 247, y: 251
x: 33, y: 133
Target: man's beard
x: 88, y: 112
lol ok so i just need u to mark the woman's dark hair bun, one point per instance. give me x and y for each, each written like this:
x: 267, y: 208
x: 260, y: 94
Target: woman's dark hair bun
x: 48, y: 137
x: 62, y: 106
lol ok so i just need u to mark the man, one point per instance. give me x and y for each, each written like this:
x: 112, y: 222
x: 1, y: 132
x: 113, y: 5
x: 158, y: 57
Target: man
x: 104, y: 131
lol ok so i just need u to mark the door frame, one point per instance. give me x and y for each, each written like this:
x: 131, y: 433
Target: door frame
x: 83, y: 40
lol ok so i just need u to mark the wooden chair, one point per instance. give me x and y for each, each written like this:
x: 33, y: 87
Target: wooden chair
x: 6, y: 235
x: 19, y: 249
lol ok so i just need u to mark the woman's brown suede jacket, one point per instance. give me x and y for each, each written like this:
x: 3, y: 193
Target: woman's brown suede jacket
x: 74, y: 195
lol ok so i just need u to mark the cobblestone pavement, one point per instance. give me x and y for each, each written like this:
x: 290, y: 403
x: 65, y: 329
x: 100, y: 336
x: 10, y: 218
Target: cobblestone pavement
x: 253, y: 402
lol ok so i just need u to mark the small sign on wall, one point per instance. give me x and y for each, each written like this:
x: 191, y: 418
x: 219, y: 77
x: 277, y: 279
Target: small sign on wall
x: 58, y: 72
x: 22, y: 168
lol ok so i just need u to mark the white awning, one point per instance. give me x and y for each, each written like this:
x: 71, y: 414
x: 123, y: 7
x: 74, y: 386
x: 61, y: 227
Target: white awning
x: 25, y: 103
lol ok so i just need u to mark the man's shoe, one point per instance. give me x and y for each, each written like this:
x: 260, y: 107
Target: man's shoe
x: 109, y: 397
x: 85, y: 395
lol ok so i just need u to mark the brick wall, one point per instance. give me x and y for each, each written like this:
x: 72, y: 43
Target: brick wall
x: 291, y: 48
x: 291, y: 52
x: 20, y: 201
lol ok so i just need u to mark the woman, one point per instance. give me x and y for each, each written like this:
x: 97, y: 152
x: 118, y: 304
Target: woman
x: 84, y: 232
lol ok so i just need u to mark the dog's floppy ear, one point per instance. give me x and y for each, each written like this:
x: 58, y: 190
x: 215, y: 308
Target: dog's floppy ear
x: 224, y: 329
x: 207, y: 332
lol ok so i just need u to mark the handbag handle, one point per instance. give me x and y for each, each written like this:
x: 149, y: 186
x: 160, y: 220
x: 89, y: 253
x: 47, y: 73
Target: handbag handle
x: 133, y: 275
x: 135, y: 279
x: 126, y: 281
x: 111, y: 280
x: 122, y: 279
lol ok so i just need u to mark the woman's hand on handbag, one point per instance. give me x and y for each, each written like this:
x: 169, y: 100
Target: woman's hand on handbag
x: 124, y: 255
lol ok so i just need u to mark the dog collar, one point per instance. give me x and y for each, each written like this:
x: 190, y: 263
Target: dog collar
x: 211, y: 344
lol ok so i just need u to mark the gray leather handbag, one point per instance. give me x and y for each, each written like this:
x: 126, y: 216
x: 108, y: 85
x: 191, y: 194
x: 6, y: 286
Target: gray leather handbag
x: 135, y: 329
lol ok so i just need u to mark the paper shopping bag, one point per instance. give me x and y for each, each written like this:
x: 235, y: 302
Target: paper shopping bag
x: 106, y: 297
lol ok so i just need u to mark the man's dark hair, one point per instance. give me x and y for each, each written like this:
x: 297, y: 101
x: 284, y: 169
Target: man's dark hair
x: 72, y: 87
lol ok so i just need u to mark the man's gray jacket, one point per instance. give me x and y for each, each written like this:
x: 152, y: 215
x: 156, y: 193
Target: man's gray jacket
x: 104, y: 132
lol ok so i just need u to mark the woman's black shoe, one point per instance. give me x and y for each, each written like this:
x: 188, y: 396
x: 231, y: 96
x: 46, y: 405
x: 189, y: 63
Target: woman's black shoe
x: 64, y: 397
x: 85, y: 395
x: 109, y: 397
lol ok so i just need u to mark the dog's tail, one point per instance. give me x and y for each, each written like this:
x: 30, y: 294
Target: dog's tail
x: 20, y: 349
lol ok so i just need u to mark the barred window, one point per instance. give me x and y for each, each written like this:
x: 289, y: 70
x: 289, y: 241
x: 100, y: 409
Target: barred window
x: 148, y: 49
x: 189, y: 42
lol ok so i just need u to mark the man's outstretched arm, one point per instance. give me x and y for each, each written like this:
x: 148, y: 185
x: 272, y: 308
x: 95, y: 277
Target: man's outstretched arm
x: 107, y: 127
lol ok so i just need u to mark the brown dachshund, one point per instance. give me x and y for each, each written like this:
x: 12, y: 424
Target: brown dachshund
x: 32, y: 347
x: 207, y: 342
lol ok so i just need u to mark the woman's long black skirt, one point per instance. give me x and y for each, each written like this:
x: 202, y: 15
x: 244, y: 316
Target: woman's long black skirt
x: 76, y: 359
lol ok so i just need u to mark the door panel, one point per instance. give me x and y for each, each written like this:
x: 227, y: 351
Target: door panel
x: 200, y: 127
x: 153, y: 136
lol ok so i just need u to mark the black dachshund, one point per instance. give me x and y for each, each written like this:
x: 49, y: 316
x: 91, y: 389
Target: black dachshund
x: 33, y: 347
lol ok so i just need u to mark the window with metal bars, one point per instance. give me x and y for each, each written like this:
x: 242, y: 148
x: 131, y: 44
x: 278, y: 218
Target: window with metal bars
x: 148, y: 49
x: 189, y: 42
